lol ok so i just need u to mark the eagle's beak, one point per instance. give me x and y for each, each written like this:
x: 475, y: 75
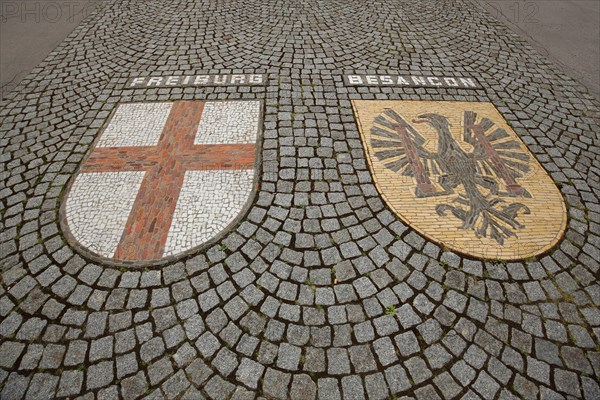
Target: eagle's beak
x: 420, y: 121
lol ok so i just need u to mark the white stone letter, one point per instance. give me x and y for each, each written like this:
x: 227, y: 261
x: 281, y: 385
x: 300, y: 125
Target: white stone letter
x: 201, y: 80
x: 172, y: 81
x: 220, y: 79
x: 355, y: 80
x: 372, y: 80
x: 468, y: 82
x: 255, y: 79
x: 155, y: 80
x: 137, y: 81
x: 450, y: 81
x: 419, y: 81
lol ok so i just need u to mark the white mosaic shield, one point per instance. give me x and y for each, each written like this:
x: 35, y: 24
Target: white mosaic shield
x: 164, y: 178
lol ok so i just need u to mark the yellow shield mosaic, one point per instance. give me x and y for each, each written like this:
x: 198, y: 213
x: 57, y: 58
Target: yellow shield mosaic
x: 458, y: 174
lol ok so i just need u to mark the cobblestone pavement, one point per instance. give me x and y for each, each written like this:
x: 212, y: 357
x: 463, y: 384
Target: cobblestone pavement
x: 320, y: 291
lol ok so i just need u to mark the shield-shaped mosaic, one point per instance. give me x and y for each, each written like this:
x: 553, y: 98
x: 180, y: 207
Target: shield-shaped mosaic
x: 457, y: 173
x: 164, y: 178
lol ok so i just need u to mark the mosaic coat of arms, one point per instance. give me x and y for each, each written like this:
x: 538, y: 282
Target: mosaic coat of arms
x: 164, y: 178
x: 458, y: 173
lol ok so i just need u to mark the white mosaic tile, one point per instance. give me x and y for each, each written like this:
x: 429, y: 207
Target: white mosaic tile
x: 225, y: 122
x: 98, y: 206
x: 209, y: 201
x: 135, y: 124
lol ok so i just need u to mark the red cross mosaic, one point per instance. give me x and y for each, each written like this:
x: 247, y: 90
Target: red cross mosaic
x: 150, y: 219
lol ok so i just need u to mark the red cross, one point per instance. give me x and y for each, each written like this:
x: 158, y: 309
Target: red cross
x: 165, y: 164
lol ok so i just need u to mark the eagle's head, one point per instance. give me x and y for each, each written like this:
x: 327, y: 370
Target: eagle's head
x: 437, y: 121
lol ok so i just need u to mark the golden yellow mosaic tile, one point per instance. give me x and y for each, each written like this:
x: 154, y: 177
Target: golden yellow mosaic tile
x: 458, y: 174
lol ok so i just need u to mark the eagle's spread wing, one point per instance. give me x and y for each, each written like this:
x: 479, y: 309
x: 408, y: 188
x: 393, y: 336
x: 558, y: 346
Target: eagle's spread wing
x: 509, y: 150
x: 389, y: 147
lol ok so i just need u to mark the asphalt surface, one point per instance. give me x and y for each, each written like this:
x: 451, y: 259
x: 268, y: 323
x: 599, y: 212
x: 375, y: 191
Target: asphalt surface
x: 566, y: 31
x: 30, y: 30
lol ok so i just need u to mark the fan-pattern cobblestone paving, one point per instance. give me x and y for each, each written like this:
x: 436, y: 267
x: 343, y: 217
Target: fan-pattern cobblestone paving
x: 320, y: 291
